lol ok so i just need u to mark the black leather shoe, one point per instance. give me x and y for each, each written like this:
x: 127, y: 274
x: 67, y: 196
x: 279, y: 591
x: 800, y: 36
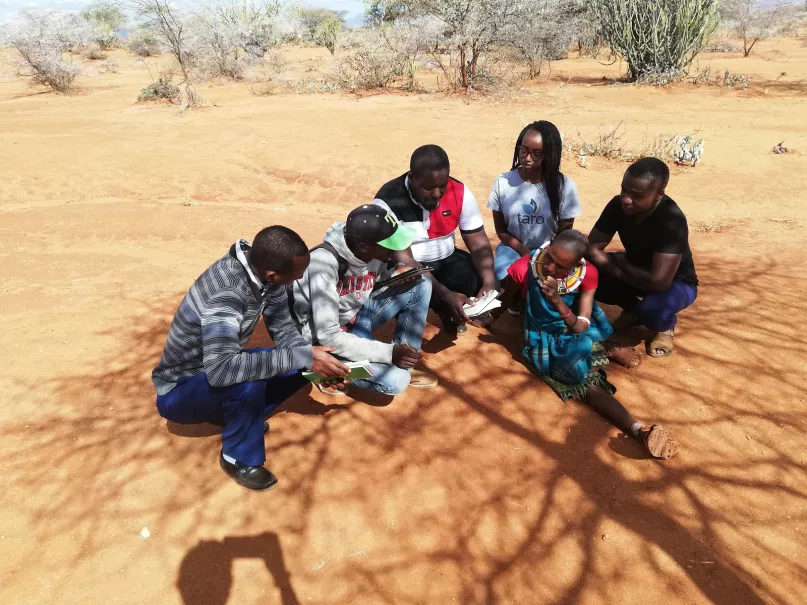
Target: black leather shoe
x: 256, y: 478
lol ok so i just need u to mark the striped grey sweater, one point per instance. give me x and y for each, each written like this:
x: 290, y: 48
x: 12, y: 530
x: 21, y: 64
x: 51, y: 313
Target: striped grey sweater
x: 213, y: 325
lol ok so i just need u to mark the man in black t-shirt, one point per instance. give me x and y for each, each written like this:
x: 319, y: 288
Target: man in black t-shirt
x: 654, y: 279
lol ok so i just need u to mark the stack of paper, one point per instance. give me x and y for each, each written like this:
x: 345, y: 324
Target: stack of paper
x: 480, y: 306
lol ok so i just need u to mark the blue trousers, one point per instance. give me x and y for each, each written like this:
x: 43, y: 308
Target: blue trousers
x: 240, y: 408
x: 505, y: 256
x: 409, y: 305
x: 657, y: 310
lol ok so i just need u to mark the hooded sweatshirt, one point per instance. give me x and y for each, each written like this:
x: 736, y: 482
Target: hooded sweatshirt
x: 324, y: 305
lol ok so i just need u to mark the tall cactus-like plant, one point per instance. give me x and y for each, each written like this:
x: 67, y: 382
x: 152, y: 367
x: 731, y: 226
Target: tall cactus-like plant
x: 656, y: 37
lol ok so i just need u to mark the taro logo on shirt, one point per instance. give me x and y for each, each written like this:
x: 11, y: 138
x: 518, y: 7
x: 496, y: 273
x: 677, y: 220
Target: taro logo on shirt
x: 530, y: 216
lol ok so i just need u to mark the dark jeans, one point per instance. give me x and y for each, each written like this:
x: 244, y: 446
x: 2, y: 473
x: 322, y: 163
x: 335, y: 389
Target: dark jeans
x: 458, y: 274
x: 240, y: 408
x: 657, y: 310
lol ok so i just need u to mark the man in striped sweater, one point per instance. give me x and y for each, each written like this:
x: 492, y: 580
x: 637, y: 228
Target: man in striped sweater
x: 207, y: 375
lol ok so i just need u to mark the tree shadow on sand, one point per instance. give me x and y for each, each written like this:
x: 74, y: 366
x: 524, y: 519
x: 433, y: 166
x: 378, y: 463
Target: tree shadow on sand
x: 484, y: 490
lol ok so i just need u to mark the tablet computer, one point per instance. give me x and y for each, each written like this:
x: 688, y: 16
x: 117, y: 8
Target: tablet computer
x: 391, y: 281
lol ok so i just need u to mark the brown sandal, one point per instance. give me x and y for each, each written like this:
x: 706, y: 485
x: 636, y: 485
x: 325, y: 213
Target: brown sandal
x: 625, y: 356
x: 659, y: 443
x: 663, y: 341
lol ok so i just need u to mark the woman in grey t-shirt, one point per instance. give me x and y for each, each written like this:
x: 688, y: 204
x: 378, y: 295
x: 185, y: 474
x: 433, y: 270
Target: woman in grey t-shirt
x: 534, y: 201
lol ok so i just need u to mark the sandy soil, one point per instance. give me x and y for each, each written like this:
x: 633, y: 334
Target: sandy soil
x: 484, y: 490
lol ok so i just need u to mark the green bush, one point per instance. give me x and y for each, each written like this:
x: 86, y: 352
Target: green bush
x: 657, y: 38
x: 327, y: 34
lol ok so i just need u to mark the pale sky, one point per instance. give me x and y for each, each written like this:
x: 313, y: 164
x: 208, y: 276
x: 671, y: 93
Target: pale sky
x: 9, y: 8
x: 354, y: 8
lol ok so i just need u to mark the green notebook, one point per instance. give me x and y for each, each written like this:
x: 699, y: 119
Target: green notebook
x: 358, y: 371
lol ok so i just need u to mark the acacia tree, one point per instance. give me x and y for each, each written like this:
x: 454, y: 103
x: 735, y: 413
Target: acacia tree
x: 656, y: 37
x: 312, y: 18
x: 380, y: 12
x: 543, y: 30
x: 40, y: 39
x: 471, y: 27
x: 227, y: 37
x: 105, y: 20
x: 172, y: 26
x: 327, y: 33
x: 750, y: 21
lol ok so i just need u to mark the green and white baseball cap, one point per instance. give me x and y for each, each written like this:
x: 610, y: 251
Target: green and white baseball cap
x: 376, y: 225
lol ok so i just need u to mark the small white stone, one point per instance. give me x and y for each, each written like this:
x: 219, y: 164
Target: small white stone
x: 145, y: 533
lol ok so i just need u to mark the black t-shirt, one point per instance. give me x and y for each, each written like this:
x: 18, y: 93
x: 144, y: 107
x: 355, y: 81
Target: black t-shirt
x: 665, y: 231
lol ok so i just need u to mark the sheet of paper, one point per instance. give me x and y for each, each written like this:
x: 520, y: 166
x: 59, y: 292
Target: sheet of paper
x: 482, y: 305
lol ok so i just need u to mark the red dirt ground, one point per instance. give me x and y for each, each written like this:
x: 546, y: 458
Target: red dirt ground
x: 485, y: 490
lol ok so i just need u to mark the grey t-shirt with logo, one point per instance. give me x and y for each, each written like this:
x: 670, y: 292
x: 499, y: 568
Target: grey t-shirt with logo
x: 527, y: 210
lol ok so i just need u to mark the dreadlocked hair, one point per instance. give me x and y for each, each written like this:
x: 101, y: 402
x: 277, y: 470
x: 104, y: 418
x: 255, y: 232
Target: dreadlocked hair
x: 553, y: 178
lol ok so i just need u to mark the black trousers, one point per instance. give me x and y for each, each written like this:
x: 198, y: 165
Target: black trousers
x: 458, y: 274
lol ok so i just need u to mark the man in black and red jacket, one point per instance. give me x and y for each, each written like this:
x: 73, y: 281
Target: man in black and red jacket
x: 432, y: 203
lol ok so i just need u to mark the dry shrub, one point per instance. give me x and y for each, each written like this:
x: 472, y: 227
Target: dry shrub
x: 754, y: 20
x: 660, y: 77
x: 275, y: 62
x: 108, y: 66
x: 57, y: 74
x: 273, y: 81
x: 724, y: 79
x: 312, y: 86
x: 40, y: 41
x: 721, y: 46
x: 263, y: 88
x: 191, y: 98
x: 610, y: 143
x: 686, y: 150
x: 544, y: 31
x: 364, y: 69
x: 94, y: 53
x: 376, y: 58
x: 500, y: 73
x: 160, y: 90
x: 144, y: 44
x: 306, y: 85
x: 718, y: 221
x: 105, y: 20
x: 226, y: 40
x: 683, y: 150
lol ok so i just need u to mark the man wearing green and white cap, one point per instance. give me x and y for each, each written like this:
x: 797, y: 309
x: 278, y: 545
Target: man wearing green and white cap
x: 337, y: 305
